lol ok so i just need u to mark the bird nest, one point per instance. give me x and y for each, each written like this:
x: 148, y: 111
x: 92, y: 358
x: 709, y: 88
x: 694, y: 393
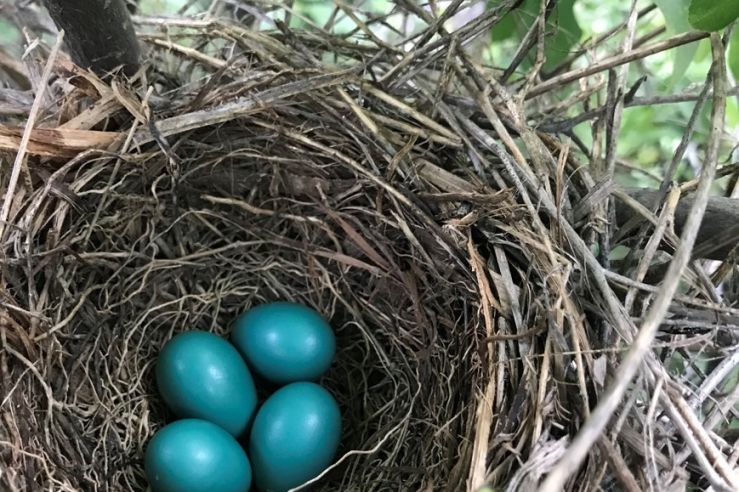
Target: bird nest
x: 400, y: 193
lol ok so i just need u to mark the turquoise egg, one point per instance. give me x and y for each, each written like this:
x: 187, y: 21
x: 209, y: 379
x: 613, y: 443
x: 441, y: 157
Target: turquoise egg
x: 294, y: 437
x: 201, y: 375
x: 284, y: 342
x: 194, y: 455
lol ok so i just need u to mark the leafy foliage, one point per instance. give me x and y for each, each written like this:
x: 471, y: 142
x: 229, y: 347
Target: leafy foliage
x: 734, y: 54
x: 9, y: 35
x: 675, y: 13
x: 567, y: 34
x: 562, y: 28
x: 712, y: 15
x: 649, y: 135
x: 509, y: 24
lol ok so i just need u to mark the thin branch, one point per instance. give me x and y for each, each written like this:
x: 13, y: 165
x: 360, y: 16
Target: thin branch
x: 20, y: 156
x: 615, y: 61
x: 594, y: 426
x: 100, y: 34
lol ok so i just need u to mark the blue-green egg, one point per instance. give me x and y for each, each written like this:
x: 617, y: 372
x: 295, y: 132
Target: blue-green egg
x: 201, y: 375
x: 193, y: 455
x: 295, y: 436
x: 285, y: 342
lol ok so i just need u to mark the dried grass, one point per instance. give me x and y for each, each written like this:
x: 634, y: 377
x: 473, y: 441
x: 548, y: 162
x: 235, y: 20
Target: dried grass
x: 401, y: 193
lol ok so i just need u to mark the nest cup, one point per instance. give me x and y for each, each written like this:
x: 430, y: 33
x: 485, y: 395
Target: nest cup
x: 292, y: 199
x: 234, y: 232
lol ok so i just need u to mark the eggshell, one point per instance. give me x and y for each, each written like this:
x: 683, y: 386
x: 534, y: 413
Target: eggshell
x: 201, y: 375
x: 295, y: 436
x: 194, y: 455
x: 284, y: 342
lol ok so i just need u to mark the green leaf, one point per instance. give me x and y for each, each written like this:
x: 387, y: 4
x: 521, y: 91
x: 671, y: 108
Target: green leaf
x: 562, y: 30
x: 9, y: 35
x: 504, y: 29
x: 732, y: 112
x: 734, y: 54
x: 675, y: 13
x: 516, y: 21
x: 712, y: 15
x: 566, y: 36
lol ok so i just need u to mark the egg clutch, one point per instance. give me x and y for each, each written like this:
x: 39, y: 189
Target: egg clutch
x: 209, y: 385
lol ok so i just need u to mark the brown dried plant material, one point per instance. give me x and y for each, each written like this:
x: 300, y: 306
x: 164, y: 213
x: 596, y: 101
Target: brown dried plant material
x: 57, y: 142
x: 406, y: 194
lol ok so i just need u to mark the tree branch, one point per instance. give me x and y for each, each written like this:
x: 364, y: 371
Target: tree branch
x: 719, y: 230
x: 98, y: 33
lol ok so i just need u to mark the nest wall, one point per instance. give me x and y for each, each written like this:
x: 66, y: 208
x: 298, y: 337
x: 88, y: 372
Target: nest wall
x: 144, y: 251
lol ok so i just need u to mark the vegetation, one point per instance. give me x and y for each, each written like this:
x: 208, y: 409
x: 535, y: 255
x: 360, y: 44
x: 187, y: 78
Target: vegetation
x: 441, y: 180
x: 649, y: 133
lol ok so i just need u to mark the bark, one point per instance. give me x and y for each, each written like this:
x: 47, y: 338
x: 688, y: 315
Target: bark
x: 99, y: 34
x: 719, y: 231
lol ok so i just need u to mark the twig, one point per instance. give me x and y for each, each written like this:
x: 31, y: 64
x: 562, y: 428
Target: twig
x: 615, y: 61
x: 32, y: 115
x: 717, y: 375
x: 185, y: 50
x: 619, y: 466
x: 665, y: 219
x: 484, y: 413
x: 594, y: 426
x: 705, y: 452
x: 568, y: 124
x: 614, y: 114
